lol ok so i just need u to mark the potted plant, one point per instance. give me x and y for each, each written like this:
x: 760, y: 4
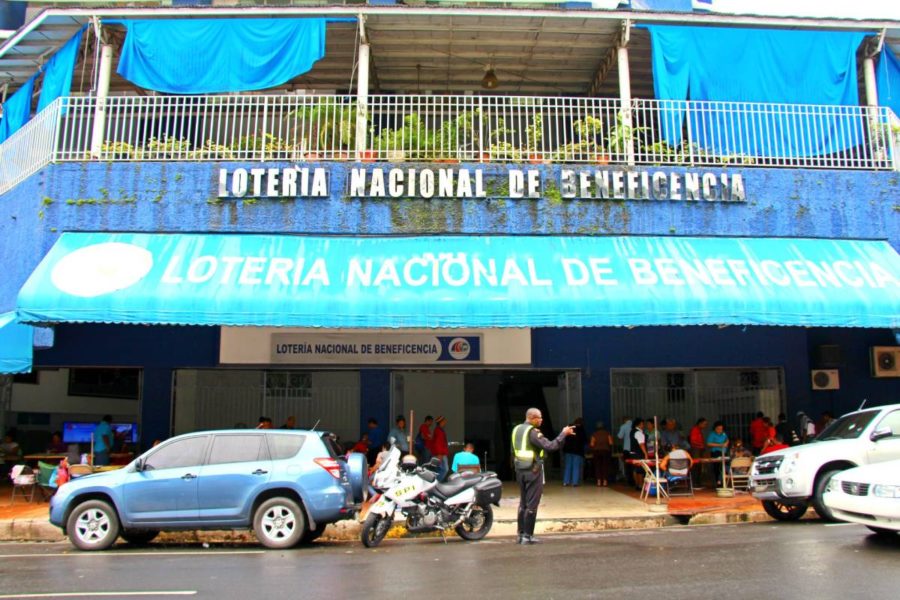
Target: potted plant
x: 326, y: 128
x: 167, y: 148
x: 622, y: 136
x: 501, y: 147
x: 534, y: 134
x: 587, y: 148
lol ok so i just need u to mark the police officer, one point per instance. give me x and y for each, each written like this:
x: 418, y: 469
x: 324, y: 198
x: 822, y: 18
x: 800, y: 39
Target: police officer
x: 529, y: 444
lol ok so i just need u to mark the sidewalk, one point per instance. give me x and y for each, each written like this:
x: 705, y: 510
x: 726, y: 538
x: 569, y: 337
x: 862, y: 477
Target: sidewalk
x: 582, y: 509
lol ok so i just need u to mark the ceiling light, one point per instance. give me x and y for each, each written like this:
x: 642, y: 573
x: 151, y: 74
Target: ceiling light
x: 490, y: 81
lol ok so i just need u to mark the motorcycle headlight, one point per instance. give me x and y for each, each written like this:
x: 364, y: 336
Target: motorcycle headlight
x: 886, y: 491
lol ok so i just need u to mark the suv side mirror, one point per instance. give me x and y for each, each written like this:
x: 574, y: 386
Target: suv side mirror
x: 880, y: 433
x: 139, y: 465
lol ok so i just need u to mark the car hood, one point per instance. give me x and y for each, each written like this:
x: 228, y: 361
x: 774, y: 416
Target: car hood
x: 106, y: 478
x: 884, y: 472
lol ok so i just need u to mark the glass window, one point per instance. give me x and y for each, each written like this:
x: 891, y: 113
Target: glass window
x: 236, y: 449
x: 892, y: 420
x: 282, y: 446
x: 848, y: 427
x: 182, y: 453
x: 105, y: 382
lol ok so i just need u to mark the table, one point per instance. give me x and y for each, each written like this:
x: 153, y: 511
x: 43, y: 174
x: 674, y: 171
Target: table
x: 44, y: 457
x: 648, y: 463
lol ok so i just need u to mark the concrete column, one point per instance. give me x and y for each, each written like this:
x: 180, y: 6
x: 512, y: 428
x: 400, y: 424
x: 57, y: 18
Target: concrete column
x: 871, y: 87
x: 102, y: 92
x: 362, y: 100
x: 156, y: 405
x: 625, y: 101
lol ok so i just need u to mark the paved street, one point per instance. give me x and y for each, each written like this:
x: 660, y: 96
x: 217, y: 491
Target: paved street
x: 807, y: 559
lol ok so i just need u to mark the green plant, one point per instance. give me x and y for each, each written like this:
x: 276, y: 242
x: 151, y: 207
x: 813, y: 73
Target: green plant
x: 587, y: 130
x: 167, y: 148
x: 622, y: 135
x: 502, y: 147
x: 117, y: 150
x: 326, y: 125
x: 534, y: 134
x: 212, y: 151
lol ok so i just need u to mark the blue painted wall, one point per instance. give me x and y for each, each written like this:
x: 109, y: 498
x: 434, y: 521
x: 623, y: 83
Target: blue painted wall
x: 171, y: 197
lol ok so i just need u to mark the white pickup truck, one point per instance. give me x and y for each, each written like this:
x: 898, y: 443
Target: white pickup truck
x: 788, y: 480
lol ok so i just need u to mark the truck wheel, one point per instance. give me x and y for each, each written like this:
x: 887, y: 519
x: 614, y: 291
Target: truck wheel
x: 93, y: 525
x: 784, y: 512
x: 279, y: 523
x: 819, y: 493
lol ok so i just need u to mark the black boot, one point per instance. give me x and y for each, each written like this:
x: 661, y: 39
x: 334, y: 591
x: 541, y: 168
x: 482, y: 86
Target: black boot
x: 530, y: 519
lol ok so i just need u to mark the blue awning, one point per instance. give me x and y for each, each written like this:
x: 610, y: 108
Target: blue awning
x: 462, y: 281
x: 15, y: 345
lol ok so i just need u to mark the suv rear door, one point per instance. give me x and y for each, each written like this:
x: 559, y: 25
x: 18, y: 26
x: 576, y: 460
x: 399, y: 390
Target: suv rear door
x: 238, y: 467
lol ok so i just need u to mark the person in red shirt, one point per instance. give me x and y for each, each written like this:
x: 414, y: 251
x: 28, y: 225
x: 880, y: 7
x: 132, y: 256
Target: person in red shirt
x: 697, y: 440
x: 774, y: 444
x: 362, y: 445
x: 423, y: 440
x: 439, y: 447
x: 759, y: 433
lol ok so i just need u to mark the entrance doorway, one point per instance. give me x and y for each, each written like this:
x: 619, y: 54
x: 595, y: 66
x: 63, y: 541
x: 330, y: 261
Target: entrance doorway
x: 482, y: 407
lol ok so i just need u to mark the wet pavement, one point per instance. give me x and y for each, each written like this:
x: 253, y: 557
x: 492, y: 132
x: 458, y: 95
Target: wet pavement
x: 808, y: 559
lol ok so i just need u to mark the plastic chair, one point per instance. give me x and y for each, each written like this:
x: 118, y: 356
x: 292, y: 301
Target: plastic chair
x: 741, y: 479
x: 46, y: 479
x: 23, y: 483
x: 679, y: 477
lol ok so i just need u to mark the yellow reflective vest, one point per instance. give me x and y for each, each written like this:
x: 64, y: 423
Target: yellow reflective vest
x: 524, y: 453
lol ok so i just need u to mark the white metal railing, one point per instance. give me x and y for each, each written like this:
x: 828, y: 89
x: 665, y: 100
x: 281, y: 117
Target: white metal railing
x: 30, y: 149
x: 432, y: 128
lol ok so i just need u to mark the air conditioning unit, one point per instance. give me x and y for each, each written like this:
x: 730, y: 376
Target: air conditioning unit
x: 825, y: 379
x: 885, y: 361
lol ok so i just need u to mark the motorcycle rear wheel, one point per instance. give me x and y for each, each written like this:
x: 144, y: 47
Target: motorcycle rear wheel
x: 478, y: 524
x: 374, y: 529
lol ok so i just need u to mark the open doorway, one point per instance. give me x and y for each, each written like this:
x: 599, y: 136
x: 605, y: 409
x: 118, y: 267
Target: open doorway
x: 482, y: 407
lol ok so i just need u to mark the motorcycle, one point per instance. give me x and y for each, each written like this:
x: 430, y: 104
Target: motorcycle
x: 462, y: 503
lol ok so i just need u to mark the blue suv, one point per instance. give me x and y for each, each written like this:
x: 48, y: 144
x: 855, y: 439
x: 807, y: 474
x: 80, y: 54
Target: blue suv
x: 285, y: 485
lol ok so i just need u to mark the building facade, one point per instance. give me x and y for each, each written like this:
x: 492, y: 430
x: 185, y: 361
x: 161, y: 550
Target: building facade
x: 580, y: 217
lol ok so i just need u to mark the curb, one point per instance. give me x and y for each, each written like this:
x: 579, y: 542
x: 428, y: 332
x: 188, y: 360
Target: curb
x: 40, y: 530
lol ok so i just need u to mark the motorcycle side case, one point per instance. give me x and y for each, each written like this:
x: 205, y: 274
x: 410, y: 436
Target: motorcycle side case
x: 488, y: 492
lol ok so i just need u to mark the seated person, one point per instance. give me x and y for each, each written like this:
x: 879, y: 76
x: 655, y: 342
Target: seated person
x: 362, y: 445
x: 466, y: 457
x: 772, y: 445
x: 9, y: 449
x: 57, y: 446
x: 682, y: 464
x: 382, y: 456
x: 738, y: 450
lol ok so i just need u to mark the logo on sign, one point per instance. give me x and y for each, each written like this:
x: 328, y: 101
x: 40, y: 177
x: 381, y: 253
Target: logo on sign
x: 459, y: 349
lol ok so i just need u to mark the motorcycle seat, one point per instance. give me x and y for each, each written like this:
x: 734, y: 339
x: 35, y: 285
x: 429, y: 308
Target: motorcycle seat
x: 455, y: 486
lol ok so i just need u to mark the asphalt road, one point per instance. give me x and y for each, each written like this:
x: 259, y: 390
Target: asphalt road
x: 808, y: 560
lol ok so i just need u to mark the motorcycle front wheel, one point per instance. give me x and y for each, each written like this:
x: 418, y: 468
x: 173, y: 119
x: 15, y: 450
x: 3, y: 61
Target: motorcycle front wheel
x: 374, y: 528
x: 478, y: 524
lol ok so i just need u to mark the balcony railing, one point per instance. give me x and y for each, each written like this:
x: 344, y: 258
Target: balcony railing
x: 426, y: 128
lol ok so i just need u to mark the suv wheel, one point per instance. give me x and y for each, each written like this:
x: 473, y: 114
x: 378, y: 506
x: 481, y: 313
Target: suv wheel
x: 279, y: 523
x: 93, y: 525
x: 784, y: 512
x: 819, y: 493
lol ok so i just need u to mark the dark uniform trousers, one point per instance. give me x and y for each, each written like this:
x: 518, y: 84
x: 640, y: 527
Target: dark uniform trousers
x: 531, y: 488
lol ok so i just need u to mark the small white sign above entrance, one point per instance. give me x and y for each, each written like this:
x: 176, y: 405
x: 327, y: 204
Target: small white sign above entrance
x: 354, y: 347
x: 374, y: 348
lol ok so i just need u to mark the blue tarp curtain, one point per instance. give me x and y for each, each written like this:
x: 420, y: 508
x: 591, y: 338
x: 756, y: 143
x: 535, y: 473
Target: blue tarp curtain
x: 57, y: 82
x: 15, y: 345
x: 207, y: 56
x: 58, y: 72
x: 764, y: 66
x: 17, y: 110
x: 887, y: 79
x: 462, y: 281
